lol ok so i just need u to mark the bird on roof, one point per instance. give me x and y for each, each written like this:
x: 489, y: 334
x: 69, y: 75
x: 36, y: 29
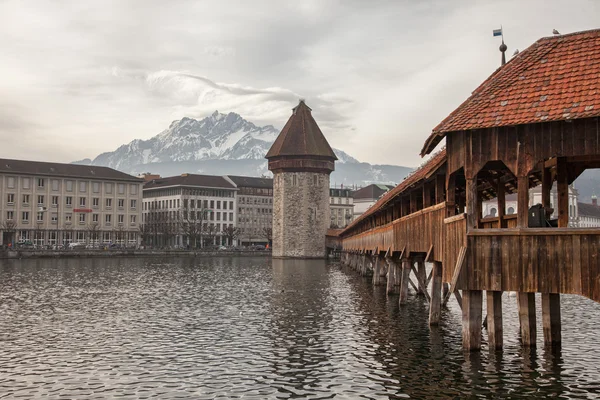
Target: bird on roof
x: 555, y: 32
x: 516, y: 52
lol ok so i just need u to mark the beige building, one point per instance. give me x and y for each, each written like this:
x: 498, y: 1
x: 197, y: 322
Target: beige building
x: 55, y: 204
x: 254, y: 209
x: 341, y: 205
x: 188, y: 210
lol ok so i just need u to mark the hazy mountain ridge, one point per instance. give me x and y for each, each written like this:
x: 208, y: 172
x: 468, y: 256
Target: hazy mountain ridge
x: 224, y: 144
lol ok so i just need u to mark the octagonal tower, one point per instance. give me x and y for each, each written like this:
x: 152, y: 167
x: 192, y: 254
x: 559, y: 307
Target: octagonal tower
x: 301, y: 161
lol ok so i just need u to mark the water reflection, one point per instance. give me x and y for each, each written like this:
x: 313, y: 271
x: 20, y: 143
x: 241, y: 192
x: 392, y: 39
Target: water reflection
x: 233, y: 327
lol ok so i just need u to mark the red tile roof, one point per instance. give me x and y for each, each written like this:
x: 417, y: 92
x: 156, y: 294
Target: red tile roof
x: 422, y: 173
x: 301, y: 136
x: 557, y: 78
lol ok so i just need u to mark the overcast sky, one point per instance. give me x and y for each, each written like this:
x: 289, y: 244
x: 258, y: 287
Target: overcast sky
x: 78, y: 78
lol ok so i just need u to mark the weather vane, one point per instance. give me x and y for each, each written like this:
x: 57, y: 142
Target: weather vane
x: 498, y: 32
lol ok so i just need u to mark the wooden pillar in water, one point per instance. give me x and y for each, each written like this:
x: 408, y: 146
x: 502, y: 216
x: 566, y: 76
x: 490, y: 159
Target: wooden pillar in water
x: 471, y: 319
x: 436, y: 294
x: 526, y: 304
x: 551, y: 319
x: 406, y: 263
x: 445, y: 289
x: 494, y: 319
x: 422, y: 271
x: 377, y: 270
x: 391, y: 279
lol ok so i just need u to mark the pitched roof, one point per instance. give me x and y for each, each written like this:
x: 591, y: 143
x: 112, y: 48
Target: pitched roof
x: 373, y: 191
x: 301, y: 136
x: 40, y: 168
x: 422, y: 173
x: 556, y: 78
x: 588, y: 210
x: 248, y: 181
x: 205, y: 181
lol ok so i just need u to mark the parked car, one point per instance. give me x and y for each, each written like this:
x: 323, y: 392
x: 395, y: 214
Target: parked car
x: 76, y: 245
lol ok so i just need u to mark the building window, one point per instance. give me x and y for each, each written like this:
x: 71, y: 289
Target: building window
x: 11, y: 182
x: 95, y: 202
x: 121, y: 218
x: 107, y: 219
x: 82, y: 187
x: 108, y: 203
x: 69, y: 201
x: 11, y: 198
x: 10, y: 215
x: 55, y: 201
x: 82, y: 202
x: 81, y: 218
x: 133, y: 189
x: 121, y: 203
x: 132, y: 219
x: 315, y: 180
x: 121, y: 188
x: 212, y: 204
x: 25, y: 199
x: 26, y: 183
x: 68, y: 218
x: 40, y: 200
x: 510, y: 211
x: 54, y: 218
x: 40, y: 182
x: 69, y: 186
x: 25, y: 216
x: 108, y: 188
x: 96, y: 187
x: 94, y: 217
x: 55, y: 185
x: 218, y: 205
x: 294, y: 180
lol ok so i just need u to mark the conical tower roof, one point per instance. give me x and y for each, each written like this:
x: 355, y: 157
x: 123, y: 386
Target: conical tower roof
x: 301, y: 137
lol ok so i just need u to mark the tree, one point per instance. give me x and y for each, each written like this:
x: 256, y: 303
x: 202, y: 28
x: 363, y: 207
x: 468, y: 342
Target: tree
x: 210, y: 231
x: 267, y: 233
x: 231, y: 233
x: 93, y: 229
x: 9, y: 227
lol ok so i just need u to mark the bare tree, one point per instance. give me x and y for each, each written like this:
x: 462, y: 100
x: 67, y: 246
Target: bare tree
x: 210, y: 231
x: 9, y: 227
x: 267, y: 233
x: 93, y: 230
x: 231, y: 233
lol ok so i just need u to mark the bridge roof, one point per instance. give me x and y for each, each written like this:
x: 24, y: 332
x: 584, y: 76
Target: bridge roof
x: 301, y: 136
x: 420, y: 174
x: 557, y: 78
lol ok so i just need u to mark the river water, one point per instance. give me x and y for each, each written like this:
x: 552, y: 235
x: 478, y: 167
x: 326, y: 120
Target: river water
x: 254, y: 328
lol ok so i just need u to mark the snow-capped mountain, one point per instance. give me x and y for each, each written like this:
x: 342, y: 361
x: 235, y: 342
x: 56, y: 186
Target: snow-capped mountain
x: 221, y: 144
x: 217, y: 137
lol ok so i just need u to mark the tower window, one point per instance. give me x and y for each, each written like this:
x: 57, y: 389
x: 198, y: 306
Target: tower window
x: 294, y: 180
x: 315, y: 179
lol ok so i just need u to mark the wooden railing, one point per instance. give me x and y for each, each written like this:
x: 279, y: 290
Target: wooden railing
x: 455, y: 237
x: 546, y: 260
x: 510, y: 221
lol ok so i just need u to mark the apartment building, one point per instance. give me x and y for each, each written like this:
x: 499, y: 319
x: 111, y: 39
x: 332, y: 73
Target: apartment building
x: 55, y: 204
x: 367, y: 196
x: 189, y: 210
x: 255, y: 209
x: 341, y: 204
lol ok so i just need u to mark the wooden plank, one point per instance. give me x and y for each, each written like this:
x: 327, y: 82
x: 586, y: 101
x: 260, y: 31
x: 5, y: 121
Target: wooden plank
x: 436, y: 300
x: 576, y: 277
x: 472, y: 214
x: 471, y: 319
x: 526, y: 305
x: 522, y: 201
x: 428, y: 257
x: 562, y: 187
x: 494, y: 319
x: 551, y: 319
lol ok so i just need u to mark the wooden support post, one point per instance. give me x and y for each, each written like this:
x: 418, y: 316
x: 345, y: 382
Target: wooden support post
x: 473, y: 215
x: 436, y: 294
x: 471, y: 319
x: 421, y: 275
x: 451, y: 196
x: 390, y: 287
x: 526, y: 304
x: 440, y: 183
x: 406, y: 263
x: 551, y: 319
x: 363, y: 265
x: 445, y: 290
x: 413, y: 202
x: 522, y: 201
x: 494, y: 319
x: 546, y: 187
x: 501, y: 204
x: 562, y: 189
x: 377, y: 270
x: 426, y: 195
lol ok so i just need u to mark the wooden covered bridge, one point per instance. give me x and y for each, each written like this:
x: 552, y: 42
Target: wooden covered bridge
x: 533, y: 122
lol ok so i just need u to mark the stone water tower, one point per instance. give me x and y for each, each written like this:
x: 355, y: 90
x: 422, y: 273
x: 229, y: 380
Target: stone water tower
x: 301, y: 161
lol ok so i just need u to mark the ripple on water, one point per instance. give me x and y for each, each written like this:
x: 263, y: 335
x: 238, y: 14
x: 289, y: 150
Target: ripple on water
x: 253, y: 328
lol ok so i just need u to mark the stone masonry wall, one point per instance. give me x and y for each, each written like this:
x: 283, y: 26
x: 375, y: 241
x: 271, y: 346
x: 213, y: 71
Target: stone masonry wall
x: 300, y: 214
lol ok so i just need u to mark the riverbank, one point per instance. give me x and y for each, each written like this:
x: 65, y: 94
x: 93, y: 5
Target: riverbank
x: 29, y: 253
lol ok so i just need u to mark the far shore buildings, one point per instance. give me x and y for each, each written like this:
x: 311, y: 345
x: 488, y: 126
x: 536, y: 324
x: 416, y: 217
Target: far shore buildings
x: 341, y: 205
x: 50, y: 204
x: 367, y: 196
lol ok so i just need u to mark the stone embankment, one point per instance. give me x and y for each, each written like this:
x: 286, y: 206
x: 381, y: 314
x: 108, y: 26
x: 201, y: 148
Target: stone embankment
x: 28, y: 253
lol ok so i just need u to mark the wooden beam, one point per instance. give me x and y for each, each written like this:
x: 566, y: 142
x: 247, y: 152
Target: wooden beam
x: 562, y: 188
x: 440, y: 183
x: 472, y: 205
x: 422, y: 288
x: 459, y: 264
x: 451, y: 196
x: 406, y: 263
x: 436, y: 294
x: 501, y: 204
x: 523, y: 202
x: 429, y: 256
